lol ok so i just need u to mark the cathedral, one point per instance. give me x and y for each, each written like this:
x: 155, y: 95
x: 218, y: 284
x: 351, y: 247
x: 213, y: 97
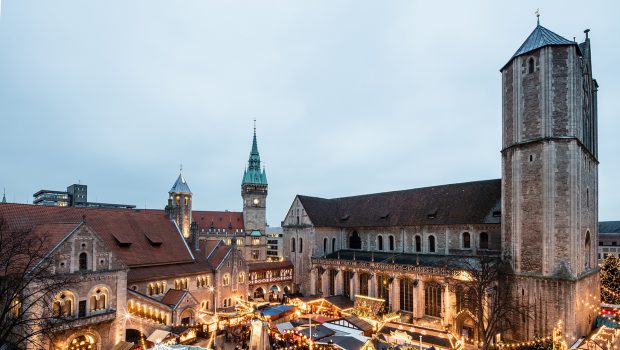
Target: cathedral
x: 135, y: 271
x: 406, y: 247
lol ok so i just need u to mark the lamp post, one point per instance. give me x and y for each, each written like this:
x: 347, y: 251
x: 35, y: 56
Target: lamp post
x: 420, y: 342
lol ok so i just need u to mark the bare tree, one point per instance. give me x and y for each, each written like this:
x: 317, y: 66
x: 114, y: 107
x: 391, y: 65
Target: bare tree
x: 28, y: 285
x: 488, y: 294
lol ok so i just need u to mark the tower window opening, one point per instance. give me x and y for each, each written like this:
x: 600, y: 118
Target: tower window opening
x: 530, y: 65
x: 531, y: 157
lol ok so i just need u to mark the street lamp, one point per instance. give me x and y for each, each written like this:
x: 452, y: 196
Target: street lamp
x: 420, y: 341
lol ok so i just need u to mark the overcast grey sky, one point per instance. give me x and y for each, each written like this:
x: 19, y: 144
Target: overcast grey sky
x: 350, y: 97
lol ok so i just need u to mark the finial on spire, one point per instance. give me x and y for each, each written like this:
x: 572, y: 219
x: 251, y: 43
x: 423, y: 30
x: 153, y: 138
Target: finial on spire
x: 181, y: 167
x: 537, y: 13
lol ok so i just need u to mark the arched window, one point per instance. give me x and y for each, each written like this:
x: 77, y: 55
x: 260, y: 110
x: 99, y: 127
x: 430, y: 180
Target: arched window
x: 63, y: 304
x: 380, y: 242
x: 530, y: 65
x: 418, y: 244
x: 431, y: 244
x: 226, y: 279
x: 406, y: 295
x: 432, y: 299
x: 301, y: 245
x: 466, y: 240
x: 333, y: 244
x: 391, y: 242
x: 484, y: 240
x: 293, y: 244
x: 149, y: 289
x: 325, y: 245
x: 241, y: 277
x: 83, y: 261
x: 98, y: 299
x: 355, y: 242
x: 364, y: 278
x: 587, y: 248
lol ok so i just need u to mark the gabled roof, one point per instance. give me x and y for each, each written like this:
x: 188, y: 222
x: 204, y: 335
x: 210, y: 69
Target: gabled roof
x: 136, y: 237
x: 180, y: 186
x: 609, y: 227
x: 173, y: 297
x: 540, y: 37
x: 464, y: 203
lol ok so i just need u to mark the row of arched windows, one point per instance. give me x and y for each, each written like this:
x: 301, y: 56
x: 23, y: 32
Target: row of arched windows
x: 325, y: 245
x: 156, y: 288
x: 483, y: 240
x: 182, y: 283
x: 390, y: 243
x: 64, y: 303
x: 301, y: 245
x: 148, y: 312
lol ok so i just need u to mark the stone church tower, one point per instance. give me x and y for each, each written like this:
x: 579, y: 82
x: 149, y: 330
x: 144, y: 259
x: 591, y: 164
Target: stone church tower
x: 254, y: 195
x: 550, y: 184
x: 179, y: 208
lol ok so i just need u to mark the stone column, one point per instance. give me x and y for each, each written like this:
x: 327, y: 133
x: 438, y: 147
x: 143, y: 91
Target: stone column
x: 325, y: 280
x: 418, y: 310
x: 313, y: 278
x: 372, y: 287
x: 355, y: 288
x: 395, y: 294
x: 446, y: 302
x: 339, y: 282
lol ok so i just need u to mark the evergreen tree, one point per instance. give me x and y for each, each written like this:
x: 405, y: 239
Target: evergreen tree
x: 610, y: 280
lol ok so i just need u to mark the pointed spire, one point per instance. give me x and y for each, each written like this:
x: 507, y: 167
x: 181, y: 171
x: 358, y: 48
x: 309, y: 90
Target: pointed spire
x: 180, y: 186
x: 4, y: 195
x: 253, y: 174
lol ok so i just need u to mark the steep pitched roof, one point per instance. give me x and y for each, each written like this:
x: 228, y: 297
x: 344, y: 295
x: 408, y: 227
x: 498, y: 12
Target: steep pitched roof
x: 219, y: 220
x: 137, y: 237
x: 540, y: 37
x: 609, y: 227
x: 180, y: 186
x: 173, y: 297
x: 464, y: 203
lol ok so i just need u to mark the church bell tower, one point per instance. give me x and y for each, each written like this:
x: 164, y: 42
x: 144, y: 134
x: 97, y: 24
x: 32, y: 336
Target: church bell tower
x: 550, y: 184
x: 254, y: 195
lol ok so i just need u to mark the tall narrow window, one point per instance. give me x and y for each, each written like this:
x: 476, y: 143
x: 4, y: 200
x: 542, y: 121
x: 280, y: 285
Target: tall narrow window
x: 383, y: 289
x: 380, y: 242
x: 587, y: 251
x: 431, y: 244
x: 432, y: 299
x: 355, y: 242
x: 418, y: 244
x: 484, y: 240
x: 325, y: 245
x: 333, y: 244
x: 364, y: 278
x: 391, y: 242
x: 347, y: 283
x: 406, y: 295
x: 83, y: 261
x: 301, y: 245
x: 332, y: 281
x: 530, y: 65
x: 293, y: 244
x: 466, y: 240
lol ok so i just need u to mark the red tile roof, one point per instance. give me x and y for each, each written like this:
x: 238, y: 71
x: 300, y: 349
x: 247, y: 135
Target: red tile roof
x: 223, y: 220
x: 173, y: 296
x: 133, y: 235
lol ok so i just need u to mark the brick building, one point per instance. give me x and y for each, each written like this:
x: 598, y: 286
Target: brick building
x: 404, y: 247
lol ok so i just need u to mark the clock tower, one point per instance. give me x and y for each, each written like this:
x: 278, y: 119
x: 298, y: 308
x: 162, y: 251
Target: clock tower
x: 254, y: 195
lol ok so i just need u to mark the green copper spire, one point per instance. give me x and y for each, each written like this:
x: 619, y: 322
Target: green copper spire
x: 253, y: 174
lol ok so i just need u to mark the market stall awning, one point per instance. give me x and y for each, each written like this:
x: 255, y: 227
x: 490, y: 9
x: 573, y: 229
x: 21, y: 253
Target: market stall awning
x: 157, y: 336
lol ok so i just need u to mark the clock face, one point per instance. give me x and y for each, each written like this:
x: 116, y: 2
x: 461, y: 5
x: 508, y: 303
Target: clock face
x: 256, y: 201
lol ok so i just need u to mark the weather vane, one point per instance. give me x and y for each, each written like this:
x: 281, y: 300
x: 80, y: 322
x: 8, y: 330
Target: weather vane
x: 537, y: 13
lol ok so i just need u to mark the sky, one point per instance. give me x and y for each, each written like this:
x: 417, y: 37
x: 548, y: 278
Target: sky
x: 349, y: 97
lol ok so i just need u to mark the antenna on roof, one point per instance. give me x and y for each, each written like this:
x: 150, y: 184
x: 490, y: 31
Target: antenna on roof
x: 537, y: 13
